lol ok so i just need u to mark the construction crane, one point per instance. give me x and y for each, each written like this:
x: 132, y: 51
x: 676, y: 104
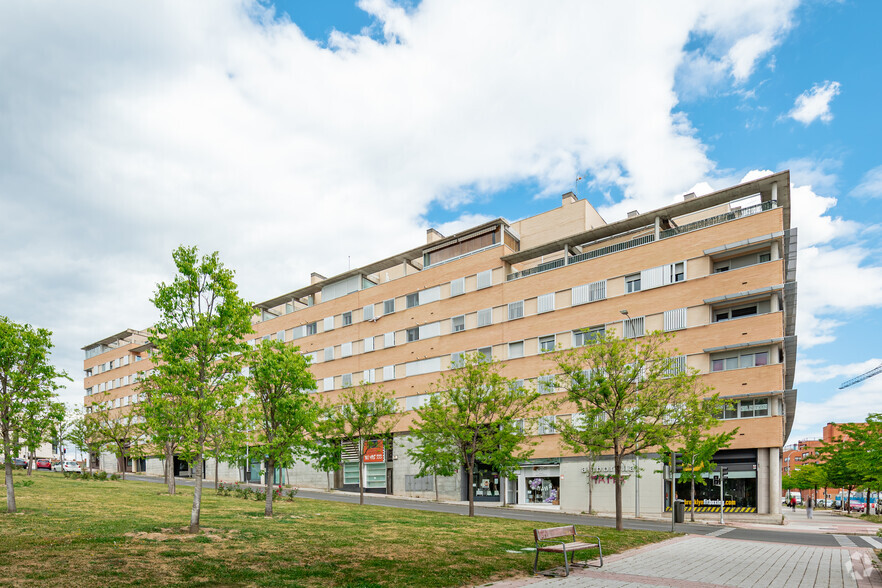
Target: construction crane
x: 858, y: 379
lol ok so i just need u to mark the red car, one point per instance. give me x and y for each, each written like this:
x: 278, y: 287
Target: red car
x: 43, y: 464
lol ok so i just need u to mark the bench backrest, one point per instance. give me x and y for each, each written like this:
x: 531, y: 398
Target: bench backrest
x: 553, y: 532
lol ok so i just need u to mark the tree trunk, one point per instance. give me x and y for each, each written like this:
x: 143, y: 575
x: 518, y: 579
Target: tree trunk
x: 847, y: 504
x: 122, y: 463
x: 692, y: 498
x: 361, y: 475
x: 215, y: 473
x: 618, y: 474
x: 328, y: 472
x: 30, y: 462
x: 7, y: 459
x: 170, y: 469
x: 867, y: 501
x: 436, y: 488
x: 470, y: 482
x: 268, y: 483
x: 591, y: 486
x: 197, y: 493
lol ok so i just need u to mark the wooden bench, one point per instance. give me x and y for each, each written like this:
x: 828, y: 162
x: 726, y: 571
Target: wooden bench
x: 564, y: 540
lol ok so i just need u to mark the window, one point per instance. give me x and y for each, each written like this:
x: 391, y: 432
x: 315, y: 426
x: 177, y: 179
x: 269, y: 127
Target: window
x: 367, y: 314
x: 546, y: 343
x: 676, y: 365
x: 350, y: 473
x: 413, y: 334
x: 456, y: 359
x: 675, y: 319
x: 579, y: 421
x: 485, y: 317
x: 369, y: 376
x: 632, y: 283
x: 346, y: 349
x: 429, y: 295
x: 589, y: 293
x: 375, y: 475
x: 734, y: 362
x: 516, y: 350
x: 389, y: 306
x: 487, y: 352
x: 764, y: 257
x: 368, y: 344
x: 347, y: 318
x: 633, y: 327
x: 329, y: 353
x: 545, y: 384
x: 585, y: 336
x: 388, y: 340
x: 388, y: 373
x: 328, y: 384
x: 413, y: 300
x: 485, y: 279
x: 515, y: 310
x: 748, y: 408
x: 457, y: 287
x: 422, y: 366
x: 280, y: 336
x: 429, y: 330
x: 457, y: 324
x: 677, y: 272
x: 546, y: 303
x: 415, y: 402
x: 346, y: 380
x: 329, y: 323
x: 754, y: 308
x: 545, y: 425
x: 311, y: 329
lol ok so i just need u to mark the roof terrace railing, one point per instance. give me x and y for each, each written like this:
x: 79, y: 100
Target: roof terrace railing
x: 642, y: 240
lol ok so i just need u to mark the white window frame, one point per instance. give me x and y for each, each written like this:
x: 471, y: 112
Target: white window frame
x: 512, y: 346
x: 545, y: 303
x: 457, y: 287
x: 453, y: 324
x: 543, y: 340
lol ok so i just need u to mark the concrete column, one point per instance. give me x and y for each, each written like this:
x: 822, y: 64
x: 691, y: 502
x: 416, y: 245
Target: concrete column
x: 776, y: 250
x: 762, y: 480
x: 775, y: 194
x: 775, y: 305
x: 657, y: 227
x: 775, y: 480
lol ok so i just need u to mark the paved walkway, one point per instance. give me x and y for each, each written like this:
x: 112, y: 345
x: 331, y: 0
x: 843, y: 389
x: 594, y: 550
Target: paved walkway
x: 693, y: 562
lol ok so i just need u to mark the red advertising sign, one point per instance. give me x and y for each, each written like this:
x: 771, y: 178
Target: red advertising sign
x: 373, y: 451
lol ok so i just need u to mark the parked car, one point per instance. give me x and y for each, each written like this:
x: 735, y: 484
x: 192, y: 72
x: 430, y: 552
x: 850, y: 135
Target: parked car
x: 71, y: 466
x: 19, y: 462
x: 43, y: 464
x: 56, y: 466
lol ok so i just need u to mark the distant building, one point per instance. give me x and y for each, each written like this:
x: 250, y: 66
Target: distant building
x: 719, y: 270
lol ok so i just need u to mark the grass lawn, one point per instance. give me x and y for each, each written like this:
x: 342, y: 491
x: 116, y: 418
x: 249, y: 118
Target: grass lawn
x: 89, y: 533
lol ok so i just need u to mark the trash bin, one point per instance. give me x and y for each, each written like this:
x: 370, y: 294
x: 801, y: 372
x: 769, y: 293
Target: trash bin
x: 679, y: 511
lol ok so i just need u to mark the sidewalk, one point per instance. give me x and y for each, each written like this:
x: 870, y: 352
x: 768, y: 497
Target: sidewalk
x: 694, y: 562
x: 824, y: 521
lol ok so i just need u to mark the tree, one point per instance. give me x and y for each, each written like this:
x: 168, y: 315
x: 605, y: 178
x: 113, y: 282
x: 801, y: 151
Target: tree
x: 476, y: 413
x: 365, y: 414
x: 85, y: 436
x: 630, y: 393
x: 434, y: 454
x: 121, y: 433
x: 284, y: 412
x: 699, y: 444
x: 839, y: 465
x: 199, y: 342
x: 809, y: 477
x: 60, y: 429
x: 164, y: 420
x: 327, y: 452
x: 38, y: 423
x: 865, y: 451
x: 27, y: 385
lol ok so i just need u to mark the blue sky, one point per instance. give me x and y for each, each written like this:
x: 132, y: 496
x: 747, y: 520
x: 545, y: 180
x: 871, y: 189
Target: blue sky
x: 260, y: 128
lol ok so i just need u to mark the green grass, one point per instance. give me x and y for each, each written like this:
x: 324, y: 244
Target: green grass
x: 74, y: 533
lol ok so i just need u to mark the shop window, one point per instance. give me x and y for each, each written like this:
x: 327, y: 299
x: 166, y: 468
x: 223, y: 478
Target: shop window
x: 375, y: 475
x: 543, y: 490
x: 350, y: 473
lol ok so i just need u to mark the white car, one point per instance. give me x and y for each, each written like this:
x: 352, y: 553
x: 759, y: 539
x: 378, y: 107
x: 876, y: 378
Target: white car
x: 71, y: 466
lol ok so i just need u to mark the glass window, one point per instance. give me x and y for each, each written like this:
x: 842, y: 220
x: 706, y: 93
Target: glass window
x: 389, y: 306
x: 762, y: 358
x: 457, y: 324
x: 546, y: 343
x: 761, y: 407
x: 347, y: 319
x: 329, y: 353
x: 632, y: 283
x: 456, y: 359
x: 413, y: 300
x: 487, y: 352
x: 346, y: 380
x: 516, y: 310
x: 413, y: 334
x: 731, y: 363
x: 375, y: 475
x: 678, y: 272
x: 746, y: 360
x: 311, y: 328
x: 744, y: 311
x: 718, y: 365
x: 350, y: 473
x: 746, y: 408
x: 764, y: 257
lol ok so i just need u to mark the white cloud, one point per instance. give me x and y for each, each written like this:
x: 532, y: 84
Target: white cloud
x: 871, y: 184
x: 818, y: 370
x: 132, y: 128
x: 845, y: 406
x: 814, y: 103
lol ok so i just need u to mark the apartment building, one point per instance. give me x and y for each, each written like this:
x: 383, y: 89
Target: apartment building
x: 807, y: 451
x: 719, y: 270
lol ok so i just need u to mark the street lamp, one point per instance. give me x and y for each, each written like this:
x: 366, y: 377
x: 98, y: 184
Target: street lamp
x: 636, y: 447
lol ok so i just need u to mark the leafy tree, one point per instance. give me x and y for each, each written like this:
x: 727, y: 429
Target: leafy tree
x: 365, y: 413
x: 631, y: 394
x: 60, y: 429
x: 228, y: 441
x: 477, y: 414
x: 434, y: 454
x: 284, y: 412
x: 27, y: 385
x: 839, y: 461
x: 327, y: 452
x: 809, y: 477
x: 865, y: 451
x: 85, y: 436
x: 199, y: 342
x: 699, y: 444
x: 38, y: 422
x: 121, y: 432
x: 164, y: 421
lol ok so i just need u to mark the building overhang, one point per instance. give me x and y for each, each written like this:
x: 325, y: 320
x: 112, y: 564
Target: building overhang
x: 114, y: 338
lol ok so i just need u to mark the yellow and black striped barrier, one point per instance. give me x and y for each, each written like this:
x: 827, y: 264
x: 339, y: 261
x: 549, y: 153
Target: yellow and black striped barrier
x: 733, y: 509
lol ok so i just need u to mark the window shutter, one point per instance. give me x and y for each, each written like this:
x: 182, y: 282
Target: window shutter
x: 652, y: 278
x: 430, y: 330
x: 580, y: 295
x: 485, y: 317
x: 329, y: 323
x: 388, y: 340
x: 515, y: 310
x: 457, y: 287
x: 388, y: 373
x: 485, y: 279
x: 546, y: 303
x: 346, y: 349
x: 368, y: 313
x: 430, y: 295
x: 368, y: 344
x: 328, y: 384
x: 675, y: 319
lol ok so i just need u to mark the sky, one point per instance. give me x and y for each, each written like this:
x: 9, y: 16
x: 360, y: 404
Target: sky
x: 316, y: 136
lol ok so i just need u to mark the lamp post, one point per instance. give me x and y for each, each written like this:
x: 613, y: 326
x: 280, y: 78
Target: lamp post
x: 636, y: 446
